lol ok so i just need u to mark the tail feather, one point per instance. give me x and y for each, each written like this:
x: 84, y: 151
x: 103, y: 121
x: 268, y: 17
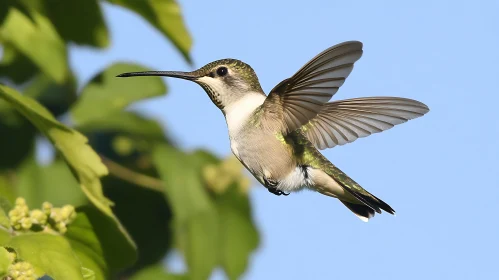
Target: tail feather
x: 362, y: 211
x: 358, y: 192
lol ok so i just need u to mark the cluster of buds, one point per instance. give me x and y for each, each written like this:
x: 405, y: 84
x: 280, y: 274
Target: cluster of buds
x: 219, y: 177
x: 19, y: 270
x: 22, y: 271
x: 58, y: 218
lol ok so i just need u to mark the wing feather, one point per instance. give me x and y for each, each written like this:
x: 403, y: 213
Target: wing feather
x: 341, y: 122
x: 303, y: 95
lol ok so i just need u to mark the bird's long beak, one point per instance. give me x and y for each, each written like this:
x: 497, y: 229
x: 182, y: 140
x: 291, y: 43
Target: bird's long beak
x: 191, y: 76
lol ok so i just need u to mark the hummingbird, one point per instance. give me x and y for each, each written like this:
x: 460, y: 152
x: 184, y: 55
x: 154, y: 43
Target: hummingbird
x: 277, y: 137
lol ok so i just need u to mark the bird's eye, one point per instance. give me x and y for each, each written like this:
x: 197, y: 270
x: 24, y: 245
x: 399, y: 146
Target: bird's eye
x: 222, y: 71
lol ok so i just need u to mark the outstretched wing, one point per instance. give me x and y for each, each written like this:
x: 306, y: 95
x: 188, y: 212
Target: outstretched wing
x: 344, y: 121
x: 303, y: 95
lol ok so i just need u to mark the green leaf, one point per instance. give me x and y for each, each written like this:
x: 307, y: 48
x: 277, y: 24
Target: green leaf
x: 198, y: 239
x: 4, y: 219
x: 78, y: 21
x: 88, y: 274
x: 49, y: 254
x: 57, y: 98
x: 157, y: 272
x: 100, y: 243
x: 4, y: 262
x: 4, y: 236
x: 183, y: 186
x: 21, y: 141
x: 7, y: 192
x: 106, y: 95
x: 84, y: 162
x: 54, y: 183
x: 36, y: 38
x: 148, y: 211
x: 16, y: 66
x: 166, y: 17
x: 125, y: 122
x: 239, y: 236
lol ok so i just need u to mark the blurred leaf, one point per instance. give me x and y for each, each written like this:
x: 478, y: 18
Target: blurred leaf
x: 4, y: 262
x: 147, y: 219
x: 198, y: 240
x: 20, y: 142
x: 100, y: 243
x: 25, y: 32
x: 126, y: 122
x: 78, y: 21
x: 157, y: 272
x: 183, y: 187
x: 84, y: 162
x: 4, y: 236
x: 49, y: 254
x: 88, y: 274
x: 238, y: 237
x: 106, y: 95
x: 54, y: 183
x: 4, y: 219
x: 7, y: 194
x: 57, y: 98
x: 16, y: 66
x: 166, y: 17
x: 195, y: 215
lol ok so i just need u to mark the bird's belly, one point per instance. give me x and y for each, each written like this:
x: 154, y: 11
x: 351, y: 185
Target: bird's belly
x: 263, y: 156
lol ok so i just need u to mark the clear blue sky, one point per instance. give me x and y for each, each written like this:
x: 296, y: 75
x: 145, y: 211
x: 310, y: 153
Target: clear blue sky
x: 439, y: 172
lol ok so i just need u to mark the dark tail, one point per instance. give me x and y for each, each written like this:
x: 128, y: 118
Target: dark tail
x: 362, y: 211
x: 368, y: 203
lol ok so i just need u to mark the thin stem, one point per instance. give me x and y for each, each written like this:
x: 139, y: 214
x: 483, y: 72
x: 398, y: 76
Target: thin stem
x: 131, y: 176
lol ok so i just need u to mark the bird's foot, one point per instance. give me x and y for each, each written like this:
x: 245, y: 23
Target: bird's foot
x: 272, y: 187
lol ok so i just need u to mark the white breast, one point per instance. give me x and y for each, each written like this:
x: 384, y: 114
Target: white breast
x: 237, y: 114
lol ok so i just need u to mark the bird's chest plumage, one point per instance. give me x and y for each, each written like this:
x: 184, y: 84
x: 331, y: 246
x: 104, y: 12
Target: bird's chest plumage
x: 258, y: 148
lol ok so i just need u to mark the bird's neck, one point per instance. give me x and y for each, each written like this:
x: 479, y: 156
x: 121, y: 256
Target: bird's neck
x: 237, y: 114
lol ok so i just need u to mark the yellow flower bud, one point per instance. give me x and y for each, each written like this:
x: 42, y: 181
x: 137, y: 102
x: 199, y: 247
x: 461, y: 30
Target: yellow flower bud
x: 38, y: 217
x: 20, y: 201
x: 12, y: 256
x: 67, y: 211
x: 26, y: 223
x: 47, y: 208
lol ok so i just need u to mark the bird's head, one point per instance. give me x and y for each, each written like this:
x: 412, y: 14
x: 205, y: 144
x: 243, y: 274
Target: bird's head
x: 225, y: 81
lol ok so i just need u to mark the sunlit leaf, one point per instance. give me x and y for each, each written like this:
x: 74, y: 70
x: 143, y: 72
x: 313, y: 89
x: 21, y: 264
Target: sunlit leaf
x: 84, y: 162
x: 49, y: 254
x: 4, y: 236
x: 157, y: 272
x: 99, y: 243
x: 165, y: 15
x: 78, y: 21
x: 53, y: 182
x: 106, y: 94
x: 23, y: 33
x: 4, y: 262
x: 88, y: 274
